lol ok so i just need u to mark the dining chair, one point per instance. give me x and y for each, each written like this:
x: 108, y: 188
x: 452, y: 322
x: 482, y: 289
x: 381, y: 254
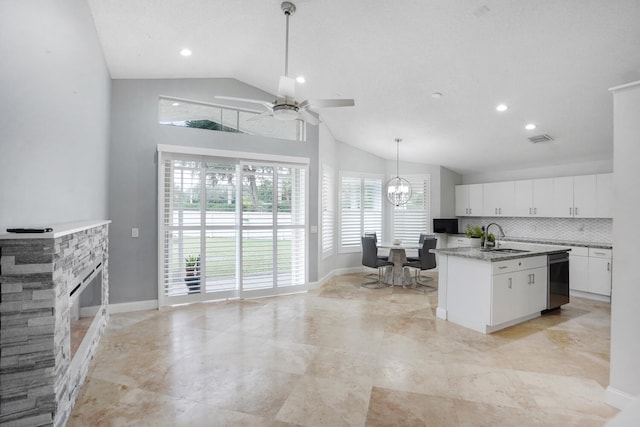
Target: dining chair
x: 426, y: 261
x: 421, y: 240
x: 370, y: 259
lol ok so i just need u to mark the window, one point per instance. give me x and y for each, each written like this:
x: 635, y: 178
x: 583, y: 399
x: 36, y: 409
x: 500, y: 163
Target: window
x: 184, y: 113
x: 414, y: 218
x: 327, y: 203
x: 360, y: 209
x: 230, y: 228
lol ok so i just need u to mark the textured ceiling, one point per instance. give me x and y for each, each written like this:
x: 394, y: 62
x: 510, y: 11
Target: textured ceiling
x: 551, y: 61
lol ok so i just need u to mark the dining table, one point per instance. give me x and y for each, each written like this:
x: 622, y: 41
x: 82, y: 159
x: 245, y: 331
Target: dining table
x: 397, y: 274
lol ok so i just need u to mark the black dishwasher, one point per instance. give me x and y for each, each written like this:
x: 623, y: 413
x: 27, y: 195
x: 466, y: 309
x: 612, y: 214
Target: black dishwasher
x: 558, y: 280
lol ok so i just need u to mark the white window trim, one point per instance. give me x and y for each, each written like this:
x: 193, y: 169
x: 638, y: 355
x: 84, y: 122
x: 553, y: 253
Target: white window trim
x: 428, y: 202
x: 329, y: 172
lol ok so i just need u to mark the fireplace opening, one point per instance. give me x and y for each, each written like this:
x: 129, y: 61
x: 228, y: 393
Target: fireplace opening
x: 86, y: 300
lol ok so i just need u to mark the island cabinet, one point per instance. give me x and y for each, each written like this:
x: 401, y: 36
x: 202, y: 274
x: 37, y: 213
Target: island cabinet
x: 489, y: 296
x: 469, y: 200
x: 519, y: 289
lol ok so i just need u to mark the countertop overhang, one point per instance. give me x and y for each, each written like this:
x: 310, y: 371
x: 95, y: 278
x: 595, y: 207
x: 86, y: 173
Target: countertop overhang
x: 493, y: 256
x: 59, y: 230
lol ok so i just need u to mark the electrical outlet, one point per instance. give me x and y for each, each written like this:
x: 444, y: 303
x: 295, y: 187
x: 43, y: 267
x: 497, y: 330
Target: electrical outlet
x: 135, y: 232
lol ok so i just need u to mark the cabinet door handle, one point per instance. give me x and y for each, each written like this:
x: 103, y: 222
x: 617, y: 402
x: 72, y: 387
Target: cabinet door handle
x: 570, y: 211
x: 533, y: 279
x: 608, y: 266
x: 510, y: 282
x: 502, y: 267
x: 469, y: 210
x: 535, y: 211
x: 500, y: 211
x: 599, y: 253
x: 496, y: 211
x: 575, y: 211
x: 530, y: 211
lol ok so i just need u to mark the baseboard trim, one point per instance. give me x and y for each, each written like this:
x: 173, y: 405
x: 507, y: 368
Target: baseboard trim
x: 589, y: 295
x: 126, y: 307
x: 617, y: 398
x: 333, y: 273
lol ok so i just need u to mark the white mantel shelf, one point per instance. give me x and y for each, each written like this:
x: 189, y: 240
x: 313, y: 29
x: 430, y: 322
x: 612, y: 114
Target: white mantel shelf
x: 59, y: 230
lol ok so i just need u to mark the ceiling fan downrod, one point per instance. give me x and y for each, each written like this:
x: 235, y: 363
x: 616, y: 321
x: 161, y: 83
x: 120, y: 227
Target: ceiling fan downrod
x: 288, y: 8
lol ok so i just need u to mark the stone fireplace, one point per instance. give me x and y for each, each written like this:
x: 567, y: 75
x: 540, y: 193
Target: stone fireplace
x: 53, y: 309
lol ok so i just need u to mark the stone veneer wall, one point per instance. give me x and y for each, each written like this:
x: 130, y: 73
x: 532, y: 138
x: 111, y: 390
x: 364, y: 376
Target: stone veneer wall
x: 37, y: 385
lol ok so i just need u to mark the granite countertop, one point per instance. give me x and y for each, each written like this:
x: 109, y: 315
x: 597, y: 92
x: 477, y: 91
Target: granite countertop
x: 493, y: 256
x: 544, y: 241
x: 601, y: 245
x: 59, y: 230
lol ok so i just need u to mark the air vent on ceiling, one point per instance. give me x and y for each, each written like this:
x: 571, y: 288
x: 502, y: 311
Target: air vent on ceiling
x: 540, y: 138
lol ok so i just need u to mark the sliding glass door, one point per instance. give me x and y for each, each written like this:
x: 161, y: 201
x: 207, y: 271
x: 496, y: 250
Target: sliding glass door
x: 230, y: 228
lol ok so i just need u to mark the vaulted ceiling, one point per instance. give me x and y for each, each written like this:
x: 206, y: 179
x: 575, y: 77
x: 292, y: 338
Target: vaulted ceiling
x: 550, y: 61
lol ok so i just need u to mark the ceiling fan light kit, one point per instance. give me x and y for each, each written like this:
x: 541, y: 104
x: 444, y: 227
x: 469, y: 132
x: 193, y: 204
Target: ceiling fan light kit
x: 398, y: 189
x: 285, y: 106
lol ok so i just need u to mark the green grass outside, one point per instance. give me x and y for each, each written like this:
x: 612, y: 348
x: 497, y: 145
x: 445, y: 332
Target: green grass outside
x: 222, y: 254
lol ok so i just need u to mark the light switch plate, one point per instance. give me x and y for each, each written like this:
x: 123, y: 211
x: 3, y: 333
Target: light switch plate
x: 135, y: 232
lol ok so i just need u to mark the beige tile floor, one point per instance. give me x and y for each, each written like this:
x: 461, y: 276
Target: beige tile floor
x: 343, y: 355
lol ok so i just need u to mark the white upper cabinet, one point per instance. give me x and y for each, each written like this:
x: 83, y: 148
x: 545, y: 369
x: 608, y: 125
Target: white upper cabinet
x: 469, y: 200
x: 543, y: 197
x: 584, y: 196
x: 604, y: 195
x: 563, y: 197
x: 575, y: 197
x: 534, y: 198
x: 523, y: 204
x: 499, y: 199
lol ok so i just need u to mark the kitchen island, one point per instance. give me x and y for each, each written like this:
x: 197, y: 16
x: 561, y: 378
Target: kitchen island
x: 488, y: 290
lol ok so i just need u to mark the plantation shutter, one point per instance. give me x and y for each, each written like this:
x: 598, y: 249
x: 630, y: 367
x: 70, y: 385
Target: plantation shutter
x: 229, y: 228
x: 414, y: 218
x: 328, y: 185
x: 360, y: 209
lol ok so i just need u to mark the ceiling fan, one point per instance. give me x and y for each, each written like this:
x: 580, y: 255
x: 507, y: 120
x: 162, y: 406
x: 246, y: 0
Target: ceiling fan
x: 285, y: 106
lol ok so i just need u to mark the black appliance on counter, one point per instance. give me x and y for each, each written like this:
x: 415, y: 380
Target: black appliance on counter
x: 558, y: 280
x: 445, y: 225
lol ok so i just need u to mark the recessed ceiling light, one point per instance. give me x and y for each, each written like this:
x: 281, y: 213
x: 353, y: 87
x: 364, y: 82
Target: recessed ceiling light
x: 436, y: 95
x: 502, y: 107
x: 185, y: 52
x: 300, y: 79
x: 175, y: 104
x: 530, y: 126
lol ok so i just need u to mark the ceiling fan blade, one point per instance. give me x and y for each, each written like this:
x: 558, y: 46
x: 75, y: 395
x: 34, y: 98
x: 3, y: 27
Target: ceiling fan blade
x: 269, y: 105
x: 287, y: 87
x: 260, y: 116
x: 327, y: 103
x: 309, y: 117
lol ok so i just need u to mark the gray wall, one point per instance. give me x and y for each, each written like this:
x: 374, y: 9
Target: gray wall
x: 133, y: 172
x: 54, y: 114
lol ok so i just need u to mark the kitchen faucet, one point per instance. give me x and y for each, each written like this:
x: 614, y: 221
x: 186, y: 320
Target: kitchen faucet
x: 486, y: 233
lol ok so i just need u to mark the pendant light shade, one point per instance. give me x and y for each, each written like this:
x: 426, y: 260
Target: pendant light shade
x: 398, y: 189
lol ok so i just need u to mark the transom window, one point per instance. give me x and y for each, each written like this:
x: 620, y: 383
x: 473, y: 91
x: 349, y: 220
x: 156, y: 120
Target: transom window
x: 201, y: 115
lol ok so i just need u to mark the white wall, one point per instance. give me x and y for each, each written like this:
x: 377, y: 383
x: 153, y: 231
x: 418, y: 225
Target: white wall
x: 54, y: 114
x: 625, y: 297
x: 569, y: 169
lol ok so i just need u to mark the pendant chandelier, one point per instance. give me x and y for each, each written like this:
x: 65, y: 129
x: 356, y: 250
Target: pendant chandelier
x: 398, y: 189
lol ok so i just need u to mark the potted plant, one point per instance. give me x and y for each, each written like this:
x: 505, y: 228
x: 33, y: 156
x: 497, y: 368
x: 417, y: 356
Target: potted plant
x: 475, y: 235
x: 192, y: 267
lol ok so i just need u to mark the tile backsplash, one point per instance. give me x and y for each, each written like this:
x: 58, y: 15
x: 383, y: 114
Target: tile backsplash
x: 572, y: 229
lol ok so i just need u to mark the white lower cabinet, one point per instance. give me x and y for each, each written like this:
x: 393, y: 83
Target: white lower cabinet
x: 600, y: 271
x: 458, y: 242
x: 579, y: 269
x: 519, y: 289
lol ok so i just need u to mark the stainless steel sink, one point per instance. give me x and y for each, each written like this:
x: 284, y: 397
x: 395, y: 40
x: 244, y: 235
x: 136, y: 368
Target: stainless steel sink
x: 506, y: 250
